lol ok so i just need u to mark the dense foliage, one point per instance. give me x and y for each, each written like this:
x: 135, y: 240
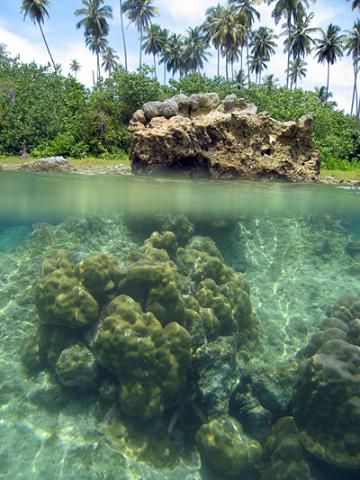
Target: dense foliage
x: 44, y: 113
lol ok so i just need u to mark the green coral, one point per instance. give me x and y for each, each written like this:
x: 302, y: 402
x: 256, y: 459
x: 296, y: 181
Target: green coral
x: 61, y: 299
x: 224, y: 446
x: 77, y: 367
x: 150, y: 361
x: 100, y: 274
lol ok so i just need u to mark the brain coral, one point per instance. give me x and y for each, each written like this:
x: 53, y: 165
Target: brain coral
x: 150, y: 361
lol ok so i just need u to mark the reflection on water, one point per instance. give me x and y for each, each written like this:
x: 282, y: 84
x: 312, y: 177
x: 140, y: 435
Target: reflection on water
x: 26, y: 195
x: 151, y: 359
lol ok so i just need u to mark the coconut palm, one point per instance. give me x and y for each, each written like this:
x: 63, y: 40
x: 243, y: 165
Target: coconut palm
x: 37, y: 10
x: 329, y: 48
x: 300, y: 42
x: 297, y: 71
x: 172, y: 55
x: 95, y: 25
x: 231, y: 33
x: 292, y: 10
x: 195, y: 49
x: 324, y: 96
x: 75, y: 67
x: 154, y: 42
x: 110, y: 60
x: 262, y: 45
x: 123, y: 35
x: 270, y: 82
x: 352, y: 47
x: 250, y: 14
x: 140, y: 13
x: 355, y: 4
x: 211, y: 29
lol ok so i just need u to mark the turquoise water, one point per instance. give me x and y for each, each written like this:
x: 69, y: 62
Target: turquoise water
x: 297, y: 247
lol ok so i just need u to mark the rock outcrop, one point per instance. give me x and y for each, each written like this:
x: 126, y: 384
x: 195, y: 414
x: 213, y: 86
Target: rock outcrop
x: 221, y: 139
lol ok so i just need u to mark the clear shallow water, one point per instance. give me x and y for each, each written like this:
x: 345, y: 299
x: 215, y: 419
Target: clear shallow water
x: 295, y: 245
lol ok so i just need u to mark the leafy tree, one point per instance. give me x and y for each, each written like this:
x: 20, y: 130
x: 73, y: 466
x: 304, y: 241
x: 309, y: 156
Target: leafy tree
x: 355, y: 4
x: 140, y: 13
x: 37, y: 11
x: 329, y: 48
x: 154, y: 42
x: 4, y: 55
x: 110, y: 59
x: 96, y: 27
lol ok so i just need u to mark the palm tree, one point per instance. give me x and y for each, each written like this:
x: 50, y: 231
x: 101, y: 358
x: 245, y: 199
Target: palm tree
x: 212, y: 30
x: 329, y: 48
x: 123, y: 34
x: 75, y: 67
x: 262, y: 46
x: 140, y: 13
x: 323, y: 95
x: 270, y: 82
x: 355, y: 4
x: 110, y: 60
x: 249, y: 12
x: 292, y: 10
x: 352, y: 47
x: 172, y: 55
x: 194, y: 51
x: 37, y: 11
x: 154, y: 42
x: 231, y: 33
x: 300, y: 42
x: 297, y: 71
x: 96, y: 27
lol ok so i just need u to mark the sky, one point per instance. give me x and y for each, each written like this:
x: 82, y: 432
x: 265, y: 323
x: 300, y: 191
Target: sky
x: 67, y: 43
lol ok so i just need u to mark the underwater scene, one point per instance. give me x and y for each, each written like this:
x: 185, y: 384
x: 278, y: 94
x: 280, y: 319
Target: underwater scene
x: 177, y: 329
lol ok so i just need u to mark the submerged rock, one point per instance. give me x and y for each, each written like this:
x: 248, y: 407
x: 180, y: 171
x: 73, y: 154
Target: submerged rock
x: 223, y: 140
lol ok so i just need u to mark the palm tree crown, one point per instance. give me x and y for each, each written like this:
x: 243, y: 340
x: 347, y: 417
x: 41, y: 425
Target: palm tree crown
x: 95, y: 25
x: 75, y: 67
x: 110, y: 60
x: 37, y: 11
x: 154, y: 42
x: 329, y: 48
x: 140, y: 13
x: 195, y: 46
x: 262, y: 45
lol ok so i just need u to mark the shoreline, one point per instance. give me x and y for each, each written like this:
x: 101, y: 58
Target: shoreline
x: 124, y: 169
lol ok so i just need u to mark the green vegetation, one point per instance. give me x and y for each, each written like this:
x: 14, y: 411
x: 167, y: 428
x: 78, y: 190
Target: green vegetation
x: 81, y: 123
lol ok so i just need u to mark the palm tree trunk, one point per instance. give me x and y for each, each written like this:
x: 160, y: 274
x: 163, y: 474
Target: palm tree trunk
x: 141, y: 40
x: 328, y: 83
x: 289, y: 51
x: 227, y: 66
x: 241, y: 58
x: 354, y: 91
x: 164, y: 73
x: 98, y: 64
x: 232, y: 70
x: 218, y: 61
x: 47, y: 46
x: 123, y: 35
x: 155, y: 66
x: 247, y: 61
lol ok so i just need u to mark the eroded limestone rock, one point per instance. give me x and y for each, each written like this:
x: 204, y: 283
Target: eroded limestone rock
x: 222, y: 140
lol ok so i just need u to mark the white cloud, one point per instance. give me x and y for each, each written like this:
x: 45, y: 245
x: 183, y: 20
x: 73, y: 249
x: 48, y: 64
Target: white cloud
x: 187, y: 12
